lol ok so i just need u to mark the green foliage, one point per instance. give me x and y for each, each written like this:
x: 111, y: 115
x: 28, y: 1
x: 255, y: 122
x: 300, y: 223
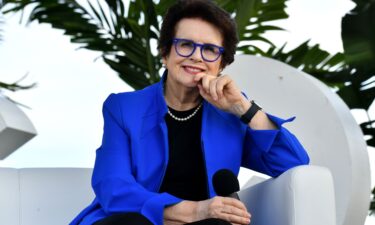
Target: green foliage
x: 372, y: 203
x: 315, y: 61
x: 253, y: 19
x: 358, y: 38
x: 123, y: 40
x: 124, y: 37
x: 15, y: 86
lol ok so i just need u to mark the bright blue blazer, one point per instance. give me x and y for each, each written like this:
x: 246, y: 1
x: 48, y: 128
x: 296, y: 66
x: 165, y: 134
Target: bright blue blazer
x: 133, y: 157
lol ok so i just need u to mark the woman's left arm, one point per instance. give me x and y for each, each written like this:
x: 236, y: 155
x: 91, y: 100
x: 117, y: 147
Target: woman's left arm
x: 269, y: 148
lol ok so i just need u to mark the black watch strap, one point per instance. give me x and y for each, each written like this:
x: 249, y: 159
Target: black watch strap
x: 254, y: 108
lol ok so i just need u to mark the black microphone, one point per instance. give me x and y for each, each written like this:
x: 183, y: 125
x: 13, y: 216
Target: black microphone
x: 226, y: 184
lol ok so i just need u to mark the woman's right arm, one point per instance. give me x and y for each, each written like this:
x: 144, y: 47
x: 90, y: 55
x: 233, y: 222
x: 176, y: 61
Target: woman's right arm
x: 114, y: 185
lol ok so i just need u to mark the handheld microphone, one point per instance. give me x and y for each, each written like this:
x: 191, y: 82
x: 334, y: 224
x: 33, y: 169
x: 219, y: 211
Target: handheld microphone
x: 226, y: 184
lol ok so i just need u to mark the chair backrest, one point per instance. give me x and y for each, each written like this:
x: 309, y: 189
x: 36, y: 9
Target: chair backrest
x: 324, y: 125
x: 43, y: 196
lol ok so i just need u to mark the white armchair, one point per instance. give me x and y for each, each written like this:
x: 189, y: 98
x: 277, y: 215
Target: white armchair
x: 303, y: 195
x: 53, y: 196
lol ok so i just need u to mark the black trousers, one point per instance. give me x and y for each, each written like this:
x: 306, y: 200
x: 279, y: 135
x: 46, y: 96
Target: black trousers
x: 138, y: 219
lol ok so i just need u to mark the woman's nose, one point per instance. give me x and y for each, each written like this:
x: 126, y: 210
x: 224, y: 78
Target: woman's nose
x: 196, y: 56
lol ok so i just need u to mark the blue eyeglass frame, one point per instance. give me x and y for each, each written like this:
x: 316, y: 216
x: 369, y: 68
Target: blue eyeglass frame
x: 176, y: 40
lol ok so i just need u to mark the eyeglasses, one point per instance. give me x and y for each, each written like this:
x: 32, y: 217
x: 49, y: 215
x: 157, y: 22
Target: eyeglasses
x: 186, y: 48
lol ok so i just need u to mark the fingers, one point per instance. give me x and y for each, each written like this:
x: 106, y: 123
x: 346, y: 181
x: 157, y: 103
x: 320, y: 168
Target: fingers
x: 213, y: 85
x: 203, y: 93
x: 237, y: 219
x: 234, y: 202
x: 231, y: 210
x: 236, y: 215
x: 221, y: 84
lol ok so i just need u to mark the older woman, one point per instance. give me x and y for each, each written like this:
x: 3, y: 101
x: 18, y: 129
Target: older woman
x: 162, y: 145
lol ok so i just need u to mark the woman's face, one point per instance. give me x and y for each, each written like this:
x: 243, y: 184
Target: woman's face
x: 181, y: 70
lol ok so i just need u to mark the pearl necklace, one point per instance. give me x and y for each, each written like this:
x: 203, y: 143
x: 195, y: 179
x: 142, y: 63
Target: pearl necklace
x: 185, y: 118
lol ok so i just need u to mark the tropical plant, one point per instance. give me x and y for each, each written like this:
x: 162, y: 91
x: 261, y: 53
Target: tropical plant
x: 358, y: 37
x: 126, y: 38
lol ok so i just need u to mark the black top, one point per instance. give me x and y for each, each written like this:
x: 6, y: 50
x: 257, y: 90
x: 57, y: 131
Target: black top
x: 185, y: 176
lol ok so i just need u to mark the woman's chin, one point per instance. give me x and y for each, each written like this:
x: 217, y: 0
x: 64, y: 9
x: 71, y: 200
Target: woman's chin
x: 191, y: 85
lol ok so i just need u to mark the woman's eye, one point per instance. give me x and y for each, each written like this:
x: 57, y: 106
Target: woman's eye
x: 210, y: 48
x: 186, y: 44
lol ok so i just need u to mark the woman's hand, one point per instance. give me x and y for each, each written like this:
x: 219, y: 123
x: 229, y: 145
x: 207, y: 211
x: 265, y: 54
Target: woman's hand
x: 222, y: 92
x: 229, y: 209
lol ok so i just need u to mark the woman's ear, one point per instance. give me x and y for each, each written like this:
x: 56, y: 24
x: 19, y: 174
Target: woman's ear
x: 222, y: 67
x: 164, y: 61
x: 220, y: 70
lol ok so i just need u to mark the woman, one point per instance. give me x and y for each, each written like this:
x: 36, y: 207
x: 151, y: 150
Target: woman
x: 162, y: 145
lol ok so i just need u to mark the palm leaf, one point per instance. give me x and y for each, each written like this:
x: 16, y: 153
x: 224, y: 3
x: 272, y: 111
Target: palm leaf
x: 331, y: 69
x: 105, y: 27
x: 368, y: 128
x: 253, y: 17
x: 15, y: 86
x: 358, y: 38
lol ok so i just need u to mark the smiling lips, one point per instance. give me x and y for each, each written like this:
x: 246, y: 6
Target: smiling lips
x: 192, y: 70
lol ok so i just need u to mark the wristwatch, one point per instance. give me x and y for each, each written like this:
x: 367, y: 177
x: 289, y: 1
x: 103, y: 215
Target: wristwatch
x: 254, y: 108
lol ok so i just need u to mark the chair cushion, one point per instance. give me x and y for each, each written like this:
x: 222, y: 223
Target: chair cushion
x: 53, y: 195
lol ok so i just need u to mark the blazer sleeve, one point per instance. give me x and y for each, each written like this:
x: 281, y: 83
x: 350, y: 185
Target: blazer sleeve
x: 114, y: 185
x: 272, y: 152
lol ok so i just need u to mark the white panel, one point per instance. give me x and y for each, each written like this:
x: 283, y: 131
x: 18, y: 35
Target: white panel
x: 324, y: 125
x: 15, y: 127
x: 53, y: 196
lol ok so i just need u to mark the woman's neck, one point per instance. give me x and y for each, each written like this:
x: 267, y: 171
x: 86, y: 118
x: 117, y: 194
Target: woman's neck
x: 181, y: 98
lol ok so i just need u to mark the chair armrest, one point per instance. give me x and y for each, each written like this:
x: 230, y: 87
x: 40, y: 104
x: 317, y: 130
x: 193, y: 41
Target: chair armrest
x: 303, y: 195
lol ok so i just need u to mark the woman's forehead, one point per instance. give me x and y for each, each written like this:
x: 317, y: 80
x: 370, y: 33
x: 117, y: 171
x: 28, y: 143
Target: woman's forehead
x: 198, y: 30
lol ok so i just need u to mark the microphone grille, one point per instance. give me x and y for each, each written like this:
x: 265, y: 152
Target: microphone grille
x: 225, y: 182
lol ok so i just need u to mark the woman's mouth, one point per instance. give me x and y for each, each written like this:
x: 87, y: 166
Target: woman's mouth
x: 192, y: 70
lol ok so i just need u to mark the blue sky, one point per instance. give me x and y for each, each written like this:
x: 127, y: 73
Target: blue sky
x: 66, y: 105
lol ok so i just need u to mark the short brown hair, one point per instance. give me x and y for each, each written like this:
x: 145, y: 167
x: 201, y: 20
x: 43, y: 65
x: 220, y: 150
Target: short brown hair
x: 206, y: 10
